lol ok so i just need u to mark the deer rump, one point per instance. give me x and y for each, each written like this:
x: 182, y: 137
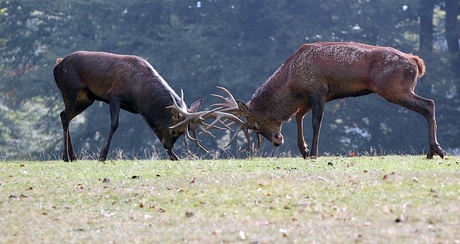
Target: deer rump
x: 320, y: 72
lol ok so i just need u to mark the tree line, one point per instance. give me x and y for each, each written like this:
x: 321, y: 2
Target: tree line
x: 198, y: 45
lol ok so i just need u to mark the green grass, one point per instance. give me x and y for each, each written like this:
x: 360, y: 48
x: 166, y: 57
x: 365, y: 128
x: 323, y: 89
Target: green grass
x: 263, y: 200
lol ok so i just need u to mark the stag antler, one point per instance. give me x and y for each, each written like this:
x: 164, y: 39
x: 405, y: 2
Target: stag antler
x: 189, y: 119
x: 194, y: 120
x: 229, y: 103
x: 231, y: 106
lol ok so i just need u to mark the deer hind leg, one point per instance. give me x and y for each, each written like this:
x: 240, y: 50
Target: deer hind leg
x: 69, y: 153
x: 425, y: 107
x: 303, y: 147
x: 115, y: 105
x: 74, y: 105
x: 317, y: 106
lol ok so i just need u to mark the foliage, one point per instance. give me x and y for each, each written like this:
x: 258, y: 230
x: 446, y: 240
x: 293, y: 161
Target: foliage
x: 31, y: 134
x: 197, y: 45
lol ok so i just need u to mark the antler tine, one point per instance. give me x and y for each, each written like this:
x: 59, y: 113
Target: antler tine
x: 194, y: 120
x: 182, y: 99
x: 194, y: 139
x: 176, y: 106
x: 218, y: 115
x: 225, y: 125
x: 229, y: 104
x: 242, y: 127
x: 232, y: 112
x: 227, y: 110
x: 258, y: 140
x: 199, y: 145
x: 191, y: 117
x: 229, y: 94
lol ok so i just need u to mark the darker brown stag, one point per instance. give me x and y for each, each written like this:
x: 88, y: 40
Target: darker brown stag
x: 321, y: 72
x: 130, y: 83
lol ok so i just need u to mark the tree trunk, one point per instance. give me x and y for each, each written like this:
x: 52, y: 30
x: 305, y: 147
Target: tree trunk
x: 453, y: 33
x: 426, y: 26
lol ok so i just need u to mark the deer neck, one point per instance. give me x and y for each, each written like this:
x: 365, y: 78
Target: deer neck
x: 155, y: 109
x: 274, y: 99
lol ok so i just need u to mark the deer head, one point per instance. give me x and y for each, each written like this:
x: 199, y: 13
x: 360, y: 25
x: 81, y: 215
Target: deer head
x: 263, y: 125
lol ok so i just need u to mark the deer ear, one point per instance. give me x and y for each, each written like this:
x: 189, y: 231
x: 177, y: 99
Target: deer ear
x: 243, y: 107
x: 195, y: 107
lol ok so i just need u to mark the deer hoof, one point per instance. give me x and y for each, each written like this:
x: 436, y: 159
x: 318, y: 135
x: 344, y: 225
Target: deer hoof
x: 435, y: 150
x: 305, y: 154
x: 102, y: 158
x: 430, y: 154
x: 67, y: 158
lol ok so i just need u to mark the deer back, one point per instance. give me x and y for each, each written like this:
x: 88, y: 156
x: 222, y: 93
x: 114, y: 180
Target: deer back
x: 129, y: 78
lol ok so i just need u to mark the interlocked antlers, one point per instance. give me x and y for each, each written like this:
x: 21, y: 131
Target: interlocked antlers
x: 196, y: 120
x: 231, y: 106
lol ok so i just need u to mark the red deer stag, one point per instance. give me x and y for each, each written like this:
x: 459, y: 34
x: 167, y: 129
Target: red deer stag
x: 320, y: 72
x: 130, y: 83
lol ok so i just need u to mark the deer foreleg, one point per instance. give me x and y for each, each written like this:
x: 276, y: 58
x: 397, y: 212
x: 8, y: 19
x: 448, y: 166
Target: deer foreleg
x: 114, y: 114
x: 303, y: 148
x: 317, y: 107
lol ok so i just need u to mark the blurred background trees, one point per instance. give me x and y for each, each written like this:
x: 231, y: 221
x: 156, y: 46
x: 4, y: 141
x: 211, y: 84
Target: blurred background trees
x: 238, y: 44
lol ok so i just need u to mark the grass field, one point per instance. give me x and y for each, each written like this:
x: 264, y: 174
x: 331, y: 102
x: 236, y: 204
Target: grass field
x: 399, y: 199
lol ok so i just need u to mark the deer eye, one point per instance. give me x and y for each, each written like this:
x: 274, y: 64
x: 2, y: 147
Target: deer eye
x: 256, y: 127
x: 173, y: 133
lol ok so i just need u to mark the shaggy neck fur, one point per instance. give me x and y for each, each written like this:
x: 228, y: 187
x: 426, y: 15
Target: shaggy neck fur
x: 274, y: 100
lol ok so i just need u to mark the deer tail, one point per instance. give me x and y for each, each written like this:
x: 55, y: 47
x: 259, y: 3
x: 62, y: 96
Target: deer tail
x: 420, y: 65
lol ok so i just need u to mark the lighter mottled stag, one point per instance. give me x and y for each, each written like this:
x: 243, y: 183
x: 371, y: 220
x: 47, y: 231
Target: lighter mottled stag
x: 321, y: 72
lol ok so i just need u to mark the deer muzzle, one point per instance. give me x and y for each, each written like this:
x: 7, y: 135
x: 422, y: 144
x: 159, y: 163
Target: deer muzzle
x: 277, y: 139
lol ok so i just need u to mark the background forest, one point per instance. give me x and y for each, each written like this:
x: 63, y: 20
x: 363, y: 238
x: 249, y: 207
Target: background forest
x: 197, y: 45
